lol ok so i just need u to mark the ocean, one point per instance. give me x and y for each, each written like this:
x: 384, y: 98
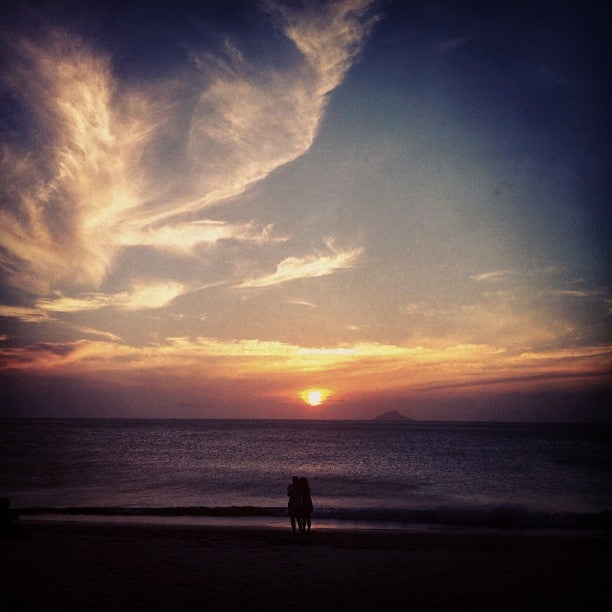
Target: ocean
x: 362, y: 473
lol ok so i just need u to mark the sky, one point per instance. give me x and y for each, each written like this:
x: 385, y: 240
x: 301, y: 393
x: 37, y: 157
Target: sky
x: 209, y: 209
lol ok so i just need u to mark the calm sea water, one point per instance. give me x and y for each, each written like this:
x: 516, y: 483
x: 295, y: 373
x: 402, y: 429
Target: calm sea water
x: 439, y: 473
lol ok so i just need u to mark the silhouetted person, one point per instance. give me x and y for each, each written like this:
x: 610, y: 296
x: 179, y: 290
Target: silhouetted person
x: 295, y: 504
x: 306, y: 503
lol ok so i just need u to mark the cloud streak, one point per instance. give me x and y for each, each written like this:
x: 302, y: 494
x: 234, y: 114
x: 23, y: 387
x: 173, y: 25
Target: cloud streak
x: 493, y: 276
x: 142, y: 296
x: 183, y: 237
x: 311, y: 266
x: 24, y: 314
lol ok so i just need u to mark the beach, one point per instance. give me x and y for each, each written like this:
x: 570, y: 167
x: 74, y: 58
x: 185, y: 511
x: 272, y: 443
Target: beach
x: 106, y: 566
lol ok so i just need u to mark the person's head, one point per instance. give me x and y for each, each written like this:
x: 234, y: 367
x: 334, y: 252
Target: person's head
x: 304, y: 482
x: 296, y: 480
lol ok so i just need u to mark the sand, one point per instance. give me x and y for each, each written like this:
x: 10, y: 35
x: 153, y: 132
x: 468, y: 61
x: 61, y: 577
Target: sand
x: 88, y: 566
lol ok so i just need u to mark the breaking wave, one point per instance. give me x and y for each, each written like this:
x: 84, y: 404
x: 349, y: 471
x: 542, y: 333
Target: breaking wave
x: 506, y: 516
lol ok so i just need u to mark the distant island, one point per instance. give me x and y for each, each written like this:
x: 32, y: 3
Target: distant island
x: 392, y: 415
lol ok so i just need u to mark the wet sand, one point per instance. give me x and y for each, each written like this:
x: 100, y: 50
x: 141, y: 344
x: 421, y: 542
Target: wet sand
x: 87, y: 566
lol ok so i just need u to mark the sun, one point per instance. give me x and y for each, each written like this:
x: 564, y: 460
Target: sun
x: 314, y: 397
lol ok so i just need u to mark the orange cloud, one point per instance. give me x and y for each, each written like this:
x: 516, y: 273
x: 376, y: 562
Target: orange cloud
x: 346, y: 369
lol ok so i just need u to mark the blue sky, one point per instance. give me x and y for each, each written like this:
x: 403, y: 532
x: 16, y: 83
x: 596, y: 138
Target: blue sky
x: 209, y: 208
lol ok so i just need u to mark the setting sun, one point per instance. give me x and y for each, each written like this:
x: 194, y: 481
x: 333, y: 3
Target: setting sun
x: 314, y: 397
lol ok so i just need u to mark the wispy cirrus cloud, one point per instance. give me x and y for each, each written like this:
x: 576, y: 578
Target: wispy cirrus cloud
x: 450, y: 44
x: 328, y: 35
x: 579, y: 293
x: 40, y: 315
x: 184, y: 236
x: 142, y: 296
x: 90, y: 178
x: 495, y: 275
x: 516, y: 313
x: 243, y: 126
x: 75, y: 174
x: 24, y: 314
x: 311, y: 266
x: 302, y: 303
x: 91, y: 331
x: 498, y: 275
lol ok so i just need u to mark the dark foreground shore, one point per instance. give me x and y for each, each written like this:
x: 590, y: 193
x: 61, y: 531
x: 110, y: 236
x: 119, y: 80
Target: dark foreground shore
x: 86, y: 566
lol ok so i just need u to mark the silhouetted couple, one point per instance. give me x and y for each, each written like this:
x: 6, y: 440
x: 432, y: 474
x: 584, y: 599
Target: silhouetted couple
x: 300, y: 504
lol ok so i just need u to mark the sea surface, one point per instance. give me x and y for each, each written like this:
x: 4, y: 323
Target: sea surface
x: 407, y: 475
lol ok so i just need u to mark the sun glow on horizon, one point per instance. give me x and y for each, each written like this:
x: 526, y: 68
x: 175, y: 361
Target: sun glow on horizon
x: 314, y: 397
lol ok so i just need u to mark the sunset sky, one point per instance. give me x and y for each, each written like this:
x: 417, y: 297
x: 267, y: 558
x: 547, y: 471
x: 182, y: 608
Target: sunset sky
x: 210, y: 208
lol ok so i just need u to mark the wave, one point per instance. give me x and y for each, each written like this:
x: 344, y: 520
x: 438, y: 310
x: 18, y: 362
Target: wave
x: 505, y: 516
x: 497, y: 517
x: 228, y: 511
